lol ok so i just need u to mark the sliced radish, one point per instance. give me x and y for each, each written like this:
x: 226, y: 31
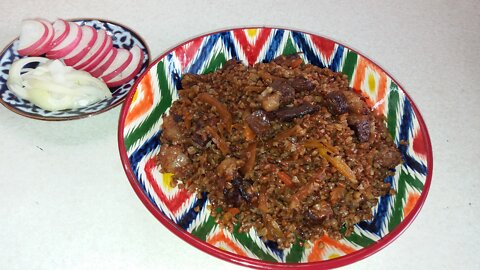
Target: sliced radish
x: 94, y: 63
x: 121, y: 61
x: 33, y: 34
x: 89, y: 36
x: 68, y: 44
x: 105, y: 63
x: 61, y: 28
x: 97, y: 47
x: 131, y: 70
x: 47, y: 43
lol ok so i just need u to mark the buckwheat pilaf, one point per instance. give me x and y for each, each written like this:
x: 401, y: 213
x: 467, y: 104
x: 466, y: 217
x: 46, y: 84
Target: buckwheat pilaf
x: 285, y: 147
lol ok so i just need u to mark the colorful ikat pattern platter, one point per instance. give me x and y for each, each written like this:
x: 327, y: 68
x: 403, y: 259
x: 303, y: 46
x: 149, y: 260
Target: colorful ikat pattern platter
x: 152, y: 95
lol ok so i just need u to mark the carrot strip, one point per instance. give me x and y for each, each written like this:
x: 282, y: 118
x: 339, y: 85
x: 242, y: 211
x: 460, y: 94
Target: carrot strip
x: 286, y: 179
x: 221, y: 109
x: 233, y: 211
x: 337, y: 162
x: 249, y: 134
x: 250, y: 154
x: 296, y: 130
x: 218, y: 140
x: 305, y: 190
x: 262, y: 203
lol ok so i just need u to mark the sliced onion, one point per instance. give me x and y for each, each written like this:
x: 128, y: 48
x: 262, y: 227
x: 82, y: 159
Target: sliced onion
x: 54, y: 86
x: 14, y: 81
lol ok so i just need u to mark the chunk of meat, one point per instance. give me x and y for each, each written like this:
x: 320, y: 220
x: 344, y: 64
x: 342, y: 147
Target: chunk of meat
x: 291, y: 60
x: 245, y: 188
x: 286, y: 91
x: 360, y: 124
x: 177, y: 118
x: 318, y: 213
x: 232, y: 197
x: 337, y: 194
x: 189, y: 80
x: 258, y: 122
x: 301, y: 83
x: 230, y: 64
x: 312, y: 218
x: 355, y: 102
x: 336, y: 102
x: 290, y: 113
x: 388, y: 157
x: 342, y: 101
x: 228, y: 168
x: 172, y: 159
x: 240, y: 192
x: 271, y: 102
x: 171, y: 130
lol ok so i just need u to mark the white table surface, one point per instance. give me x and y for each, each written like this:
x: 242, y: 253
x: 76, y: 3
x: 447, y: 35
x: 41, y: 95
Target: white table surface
x: 65, y: 202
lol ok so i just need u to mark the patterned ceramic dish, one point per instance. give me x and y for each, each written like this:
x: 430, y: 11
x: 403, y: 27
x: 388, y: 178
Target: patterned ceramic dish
x: 122, y: 38
x: 152, y: 95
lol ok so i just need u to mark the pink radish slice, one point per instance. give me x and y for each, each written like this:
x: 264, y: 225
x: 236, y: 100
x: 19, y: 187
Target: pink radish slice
x: 105, y: 63
x: 61, y: 28
x: 68, y: 44
x: 101, y: 55
x: 122, y: 60
x: 46, y: 45
x: 131, y: 70
x: 32, y: 35
x: 89, y: 36
x: 97, y: 47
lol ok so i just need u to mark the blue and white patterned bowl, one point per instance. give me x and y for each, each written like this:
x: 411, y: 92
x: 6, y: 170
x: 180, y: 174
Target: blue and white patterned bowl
x: 122, y: 37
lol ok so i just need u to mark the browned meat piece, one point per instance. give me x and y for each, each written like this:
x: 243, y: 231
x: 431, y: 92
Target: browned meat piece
x: 291, y: 61
x: 289, y: 113
x: 189, y: 80
x: 388, y: 157
x: 245, y: 188
x: 258, y: 122
x: 232, y: 197
x: 360, y: 124
x: 355, y: 102
x: 172, y: 159
x: 228, y: 168
x: 318, y: 213
x: 301, y: 83
x: 171, y: 130
x: 336, y: 102
x: 240, y: 191
x: 337, y: 194
x: 287, y: 92
x: 231, y: 64
x: 177, y: 118
x: 312, y: 218
x: 271, y: 102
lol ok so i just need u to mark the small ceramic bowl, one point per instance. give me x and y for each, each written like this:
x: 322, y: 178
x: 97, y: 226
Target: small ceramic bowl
x: 140, y: 126
x: 122, y: 37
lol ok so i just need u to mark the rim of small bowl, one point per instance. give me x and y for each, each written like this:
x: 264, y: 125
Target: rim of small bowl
x: 89, y: 114
x: 256, y: 263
